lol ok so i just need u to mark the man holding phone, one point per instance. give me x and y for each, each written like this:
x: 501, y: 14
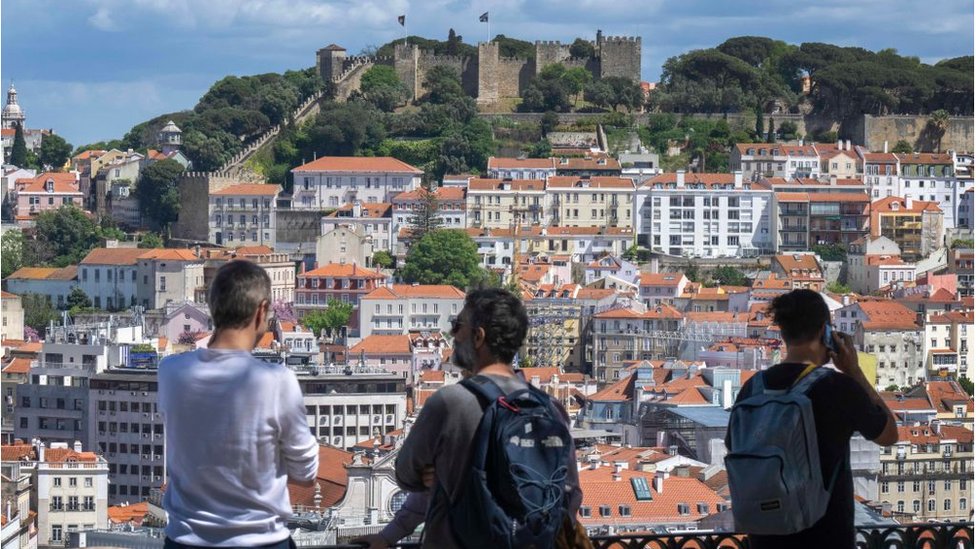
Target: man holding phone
x: 843, y: 403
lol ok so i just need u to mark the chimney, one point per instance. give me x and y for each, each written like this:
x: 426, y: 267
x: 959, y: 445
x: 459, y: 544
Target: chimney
x: 847, y: 145
x: 885, y: 146
x: 936, y: 426
x: 672, y: 450
x: 738, y: 178
x: 800, y: 142
x: 680, y: 178
x: 357, y: 209
x: 77, y: 446
x: 846, y: 300
x: 840, y: 144
x: 659, y: 481
x: 909, y: 203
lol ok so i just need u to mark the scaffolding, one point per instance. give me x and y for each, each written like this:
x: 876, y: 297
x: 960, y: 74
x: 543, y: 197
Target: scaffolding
x: 555, y: 326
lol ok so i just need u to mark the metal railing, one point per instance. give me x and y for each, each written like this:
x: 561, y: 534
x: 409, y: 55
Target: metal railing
x: 954, y: 535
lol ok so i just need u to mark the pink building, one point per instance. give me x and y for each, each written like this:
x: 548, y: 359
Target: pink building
x: 46, y: 191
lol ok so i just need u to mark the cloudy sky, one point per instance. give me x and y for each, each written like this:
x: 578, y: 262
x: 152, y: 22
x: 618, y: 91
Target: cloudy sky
x: 91, y: 69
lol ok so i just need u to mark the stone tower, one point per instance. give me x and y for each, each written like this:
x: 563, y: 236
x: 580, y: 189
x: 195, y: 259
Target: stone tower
x: 12, y: 113
x: 170, y: 138
x: 619, y: 56
x: 330, y: 61
x: 488, y: 72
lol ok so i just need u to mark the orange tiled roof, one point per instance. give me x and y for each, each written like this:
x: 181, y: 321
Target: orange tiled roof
x: 442, y: 194
x: 382, y: 344
x: 661, y: 279
x: 64, y: 183
x: 432, y: 291
x: 600, y: 488
x: 797, y: 262
x: 373, y: 210
x: 522, y: 185
x: 587, y: 163
x: 924, y: 158
x: 840, y: 197
x: 16, y: 452
x: 134, y: 513
x: 249, y: 189
x: 68, y: 455
x: 707, y: 179
x: 113, y: 256
x: 7, y: 295
x: 18, y: 366
x: 170, y: 254
x: 887, y: 315
x: 358, y: 164
x: 900, y: 205
x: 343, y: 270
x: 32, y: 273
x: 619, y: 391
x: 332, y: 479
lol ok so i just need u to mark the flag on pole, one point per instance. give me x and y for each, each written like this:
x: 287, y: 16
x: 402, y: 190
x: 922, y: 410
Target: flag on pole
x: 483, y: 18
x: 402, y: 20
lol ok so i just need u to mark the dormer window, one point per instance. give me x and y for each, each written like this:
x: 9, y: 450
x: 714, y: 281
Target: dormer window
x: 49, y: 185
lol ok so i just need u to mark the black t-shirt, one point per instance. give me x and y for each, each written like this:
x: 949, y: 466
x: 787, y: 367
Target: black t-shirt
x: 840, y: 407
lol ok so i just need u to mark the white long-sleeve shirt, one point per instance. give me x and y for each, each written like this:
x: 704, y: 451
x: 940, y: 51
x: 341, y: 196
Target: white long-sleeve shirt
x: 235, y: 432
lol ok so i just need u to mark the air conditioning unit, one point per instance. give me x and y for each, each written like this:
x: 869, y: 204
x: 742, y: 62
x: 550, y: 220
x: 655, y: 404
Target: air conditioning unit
x: 145, y: 478
x: 132, y: 393
x: 157, y: 477
x: 389, y: 418
x: 145, y: 435
x: 145, y: 414
x: 157, y: 457
x: 377, y: 419
x: 145, y: 456
x: 145, y: 394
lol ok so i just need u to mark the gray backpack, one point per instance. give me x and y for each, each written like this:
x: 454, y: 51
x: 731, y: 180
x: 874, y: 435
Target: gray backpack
x: 774, y: 461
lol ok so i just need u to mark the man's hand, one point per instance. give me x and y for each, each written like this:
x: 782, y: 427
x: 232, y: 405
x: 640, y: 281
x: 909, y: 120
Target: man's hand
x: 372, y: 541
x: 427, y: 475
x: 845, y: 359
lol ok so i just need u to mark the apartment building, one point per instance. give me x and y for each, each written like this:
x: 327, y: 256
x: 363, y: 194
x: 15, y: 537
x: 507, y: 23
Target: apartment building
x: 756, y: 160
x: 791, y: 221
x: 503, y: 203
x: 346, y: 406
x: 403, y: 355
x: 948, y: 344
x: 342, y: 282
x: 118, y: 278
x: 704, y: 215
x: 331, y: 181
x: 13, y: 316
x: 53, y: 283
x: 840, y: 164
x: 928, y: 472
x: 590, y: 201
x: 400, y: 308
x: 450, y: 206
x: 521, y: 168
x: 624, y: 335
x: 244, y: 215
x: 590, y: 165
x: 661, y: 287
x: 373, y: 219
x: 44, y: 192
x: 348, y: 244
x: 802, y: 270
x: 917, y: 227
x: 70, y: 484
x: 127, y: 429
x: 278, y: 265
x: 967, y: 208
x: 931, y: 177
x: 874, y: 263
x: 888, y: 331
x: 556, y: 321
x: 881, y: 174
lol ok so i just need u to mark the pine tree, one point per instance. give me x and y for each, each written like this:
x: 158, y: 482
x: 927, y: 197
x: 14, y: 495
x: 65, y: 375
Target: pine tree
x: 425, y: 218
x: 18, y: 153
x: 771, y: 131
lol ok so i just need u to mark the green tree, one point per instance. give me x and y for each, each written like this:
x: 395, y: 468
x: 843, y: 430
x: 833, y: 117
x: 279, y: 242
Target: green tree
x: 891, y: 388
x: 38, y: 312
x: 902, y: 147
x: 729, y: 276
x: 18, y: 153
x: 55, y: 151
x: 151, y: 240
x: 382, y: 259
x: 11, y: 249
x: 540, y: 149
x: 548, y: 123
x: 382, y: 87
x: 788, y: 130
x: 575, y: 80
x: 64, y: 237
x: 831, y: 252
x: 582, y: 49
x: 939, y: 123
x: 966, y: 384
x: 444, y: 257
x: 771, y: 131
x: 78, y: 301
x: 425, y: 218
x: 336, y: 315
x: 837, y: 287
x: 442, y: 83
x: 548, y: 91
x: 600, y: 93
x: 159, y: 194
x: 759, y: 124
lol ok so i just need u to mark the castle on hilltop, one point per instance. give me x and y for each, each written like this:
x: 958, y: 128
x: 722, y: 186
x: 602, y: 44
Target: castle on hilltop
x: 488, y: 76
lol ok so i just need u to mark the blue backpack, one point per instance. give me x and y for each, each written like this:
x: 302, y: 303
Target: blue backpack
x: 514, y: 492
x: 773, y: 464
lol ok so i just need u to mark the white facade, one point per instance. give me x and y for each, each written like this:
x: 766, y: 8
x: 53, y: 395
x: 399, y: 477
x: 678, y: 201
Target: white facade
x: 342, y: 411
x: 704, y: 215
x: 72, y: 494
x: 931, y: 177
x: 369, y: 219
x: 244, y: 215
x: 330, y: 182
x: 401, y: 308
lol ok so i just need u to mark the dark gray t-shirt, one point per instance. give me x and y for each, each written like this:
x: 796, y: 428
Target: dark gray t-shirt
x: 442, y: 436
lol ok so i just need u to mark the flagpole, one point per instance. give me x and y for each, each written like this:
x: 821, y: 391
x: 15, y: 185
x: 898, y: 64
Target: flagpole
x: 404, y: 30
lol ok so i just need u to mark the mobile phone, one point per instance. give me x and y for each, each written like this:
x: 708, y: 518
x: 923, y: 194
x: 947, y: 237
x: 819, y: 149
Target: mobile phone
x: 828, y: 338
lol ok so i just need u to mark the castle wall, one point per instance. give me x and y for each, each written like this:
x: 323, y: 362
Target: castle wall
x: 549, y: 52
x: 875, y: 130
x: 427, y: 60
x: 487, y: 72
x: 513, y: 76
x: 620, y: 56
x: 195, y: 189
x: 405, y: 60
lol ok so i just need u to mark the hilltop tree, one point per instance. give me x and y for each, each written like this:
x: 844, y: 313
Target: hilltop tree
x: 64, y: 237
x: 902, y: 147
x: 55, y: 151
x: 18, y: 153
x: 771, y: 131
x: 158, y: 192
x: 442, y: 84
x: 938, y: 123
x: 582, y: 49
x: 425, y: 218
x: 444, y: 257
x: 548, y: 91
x: 729, y: 276
x: 382, y: 87
x: 575, y: 80
x: 548, y: 123
x: 11, y: 249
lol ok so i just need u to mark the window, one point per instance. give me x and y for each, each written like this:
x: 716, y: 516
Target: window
x: 585, y: 511
x: 624, y: 510
x: 947, y: 505
x: 931, y: 505
x: 962, y: 504
x: 56, y: 482
x: 604, y: 510
x: 56, y: 532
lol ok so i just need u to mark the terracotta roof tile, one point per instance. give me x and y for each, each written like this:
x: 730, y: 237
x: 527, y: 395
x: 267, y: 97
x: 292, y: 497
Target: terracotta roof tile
x: 521, y: 185
x: 597, y: 182
x: 601, y: 489
x: 332, y: 479
x: 359, y: 164
x: 382, y: 344
x: 343, y: 270
x: 18, y: 366
x: 113, y: 256
x: 506, y: 163
x: 64, y: 183
x: 133, y: 513
x: 249, y: 189
x: 432, y: 291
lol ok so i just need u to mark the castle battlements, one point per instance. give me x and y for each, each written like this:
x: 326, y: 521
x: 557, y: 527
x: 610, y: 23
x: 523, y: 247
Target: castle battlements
x: 487, y: 75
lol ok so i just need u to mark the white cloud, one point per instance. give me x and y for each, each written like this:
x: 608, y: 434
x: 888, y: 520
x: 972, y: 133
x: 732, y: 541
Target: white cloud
x: 102, y: 20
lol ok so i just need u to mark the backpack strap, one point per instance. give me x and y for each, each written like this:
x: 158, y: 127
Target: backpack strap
x: 807, y: 378
x: 484, y: 388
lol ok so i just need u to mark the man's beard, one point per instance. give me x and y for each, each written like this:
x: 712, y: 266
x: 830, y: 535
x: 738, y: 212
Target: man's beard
x: 464, y: 355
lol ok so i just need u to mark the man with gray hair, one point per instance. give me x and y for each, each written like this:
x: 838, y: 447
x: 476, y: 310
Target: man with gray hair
x: 235, y: 426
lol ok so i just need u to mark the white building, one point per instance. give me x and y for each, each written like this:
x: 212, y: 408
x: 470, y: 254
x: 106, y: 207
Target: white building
x: 244, y: 215
x: 53, y: 283
x: 400, y: 308
x: 13, y: 316
x: 450, y: 207
x: 373, y: 219
x: 332, y: 181
x: 931, y: 177
x: 881, y: 173
x: 521, y: 168
x: 874, y: 262
x: 118, y: 278
x: 704, y: 215
x: 888, y: 331
x: 590, y: 201
x: 756, y: 160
